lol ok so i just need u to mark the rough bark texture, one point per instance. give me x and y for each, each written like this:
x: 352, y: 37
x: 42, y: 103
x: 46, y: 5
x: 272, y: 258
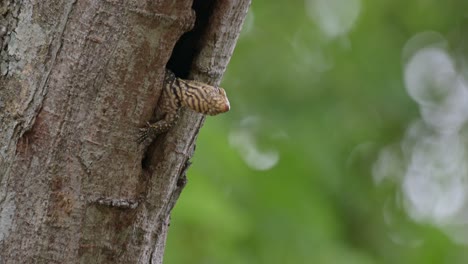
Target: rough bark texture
x: 77, y: 78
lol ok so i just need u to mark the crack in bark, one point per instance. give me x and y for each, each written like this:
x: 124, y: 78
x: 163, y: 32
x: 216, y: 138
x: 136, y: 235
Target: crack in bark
x: 120, y: 203
x: 36, y: 103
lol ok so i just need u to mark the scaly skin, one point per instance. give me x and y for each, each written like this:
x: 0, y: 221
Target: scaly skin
x: 198, y: 96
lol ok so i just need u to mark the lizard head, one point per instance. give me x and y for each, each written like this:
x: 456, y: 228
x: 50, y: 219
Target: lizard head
x: 203, y: 98
x: 218, y: 101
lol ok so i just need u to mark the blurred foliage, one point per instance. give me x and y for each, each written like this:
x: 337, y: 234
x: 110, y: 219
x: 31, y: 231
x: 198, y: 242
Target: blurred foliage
x: 326, y: 106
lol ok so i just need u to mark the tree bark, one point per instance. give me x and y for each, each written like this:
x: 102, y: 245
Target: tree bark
x: 77, y: 80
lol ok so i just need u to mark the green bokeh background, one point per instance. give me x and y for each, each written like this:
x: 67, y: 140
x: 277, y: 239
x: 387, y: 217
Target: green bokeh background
x: 327, y: 106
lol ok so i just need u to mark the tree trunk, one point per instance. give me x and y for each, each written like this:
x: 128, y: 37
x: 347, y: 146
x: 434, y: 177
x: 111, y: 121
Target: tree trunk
x: 77, y: 80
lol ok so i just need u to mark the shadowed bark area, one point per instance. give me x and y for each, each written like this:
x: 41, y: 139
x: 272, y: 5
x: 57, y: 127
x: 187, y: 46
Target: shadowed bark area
x: 77, y: 80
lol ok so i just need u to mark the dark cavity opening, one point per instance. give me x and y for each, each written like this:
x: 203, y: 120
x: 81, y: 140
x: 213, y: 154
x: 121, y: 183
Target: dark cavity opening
x: 189, y: 45
x: 185, y: 51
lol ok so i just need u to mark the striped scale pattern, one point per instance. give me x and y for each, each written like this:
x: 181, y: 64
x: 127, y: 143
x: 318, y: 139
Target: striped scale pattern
x: 177, y: 93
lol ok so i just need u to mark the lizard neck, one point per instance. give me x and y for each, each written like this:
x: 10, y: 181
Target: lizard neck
x: 192, y: 95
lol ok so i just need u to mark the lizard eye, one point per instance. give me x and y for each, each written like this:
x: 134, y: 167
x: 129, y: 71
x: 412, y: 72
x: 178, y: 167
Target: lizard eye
x: 221, y: 91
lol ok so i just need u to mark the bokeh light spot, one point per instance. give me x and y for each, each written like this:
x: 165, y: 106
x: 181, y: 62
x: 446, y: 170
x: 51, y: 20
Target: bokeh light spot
x: 244, y: 140
x: 335, y: 18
